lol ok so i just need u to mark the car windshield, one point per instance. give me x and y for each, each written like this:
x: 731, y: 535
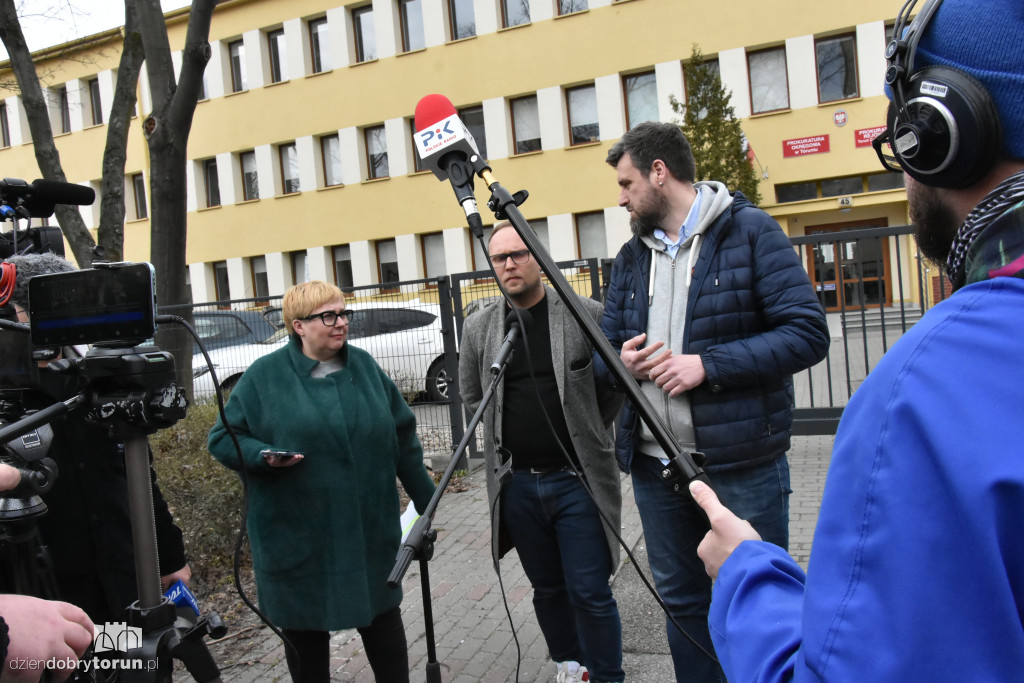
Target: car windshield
x: 276, y: 337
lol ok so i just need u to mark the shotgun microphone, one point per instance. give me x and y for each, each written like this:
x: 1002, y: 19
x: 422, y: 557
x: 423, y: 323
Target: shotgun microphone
x: 39, y: 197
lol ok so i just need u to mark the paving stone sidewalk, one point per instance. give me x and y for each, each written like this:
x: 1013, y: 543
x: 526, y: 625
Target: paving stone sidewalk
x: 474, y: 639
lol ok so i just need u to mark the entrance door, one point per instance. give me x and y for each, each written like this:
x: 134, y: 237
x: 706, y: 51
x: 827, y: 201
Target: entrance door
x: 850, y: 274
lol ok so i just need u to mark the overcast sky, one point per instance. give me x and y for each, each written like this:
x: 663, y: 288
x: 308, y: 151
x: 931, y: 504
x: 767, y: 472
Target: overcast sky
x: 53, y: 23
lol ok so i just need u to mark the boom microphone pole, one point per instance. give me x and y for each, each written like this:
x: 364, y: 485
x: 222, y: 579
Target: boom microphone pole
x: 505, y: 205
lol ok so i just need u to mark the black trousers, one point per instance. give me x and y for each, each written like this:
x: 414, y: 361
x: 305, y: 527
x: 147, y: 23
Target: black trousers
x: 384, y: 640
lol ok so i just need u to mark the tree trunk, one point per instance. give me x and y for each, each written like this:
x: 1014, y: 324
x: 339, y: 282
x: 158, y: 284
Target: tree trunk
x: 167, y: 129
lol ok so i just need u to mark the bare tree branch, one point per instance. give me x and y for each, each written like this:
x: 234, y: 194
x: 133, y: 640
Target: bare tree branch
x: 112, y: 208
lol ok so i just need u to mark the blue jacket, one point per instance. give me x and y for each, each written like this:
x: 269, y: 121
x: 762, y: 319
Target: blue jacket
x: 753, y: 317
x: 917, y: 567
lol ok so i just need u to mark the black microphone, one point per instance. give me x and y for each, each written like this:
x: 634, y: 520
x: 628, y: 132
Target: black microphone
x: 39, y: 197
x: 512, y: 324
x: 447, y: 148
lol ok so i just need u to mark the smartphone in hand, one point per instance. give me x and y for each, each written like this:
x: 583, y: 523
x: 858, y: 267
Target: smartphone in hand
x: 275, y: 457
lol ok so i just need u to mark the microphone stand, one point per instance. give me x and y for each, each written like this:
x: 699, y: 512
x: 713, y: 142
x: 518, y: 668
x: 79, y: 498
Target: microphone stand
x: 420, y: 541
x: 506, y: 205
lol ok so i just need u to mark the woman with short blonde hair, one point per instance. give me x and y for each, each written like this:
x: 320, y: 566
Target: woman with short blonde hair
x: 324, y: 434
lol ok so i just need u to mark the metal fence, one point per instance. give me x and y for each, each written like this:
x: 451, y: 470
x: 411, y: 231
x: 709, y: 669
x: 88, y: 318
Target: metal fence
x: 871, y: 282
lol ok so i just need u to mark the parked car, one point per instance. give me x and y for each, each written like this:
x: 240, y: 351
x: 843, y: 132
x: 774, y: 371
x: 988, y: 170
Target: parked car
x: 403, y: 337
x: 217, y: 329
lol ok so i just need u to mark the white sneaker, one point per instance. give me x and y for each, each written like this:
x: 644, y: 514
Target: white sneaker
x: 571, y: 672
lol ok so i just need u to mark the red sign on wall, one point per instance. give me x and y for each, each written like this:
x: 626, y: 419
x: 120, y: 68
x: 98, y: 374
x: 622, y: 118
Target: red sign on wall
x: 864, y: 136
x: 816, y: 144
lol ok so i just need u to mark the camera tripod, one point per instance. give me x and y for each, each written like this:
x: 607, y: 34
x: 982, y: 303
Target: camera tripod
x: 130, y: 392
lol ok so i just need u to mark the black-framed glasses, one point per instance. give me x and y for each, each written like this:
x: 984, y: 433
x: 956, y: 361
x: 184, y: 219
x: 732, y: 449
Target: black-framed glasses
x: 883, y: 148
x: 330, y: 318
x: 518, y: 257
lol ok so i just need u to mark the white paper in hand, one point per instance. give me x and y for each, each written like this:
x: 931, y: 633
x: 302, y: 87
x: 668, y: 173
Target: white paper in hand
x: 408, y: 518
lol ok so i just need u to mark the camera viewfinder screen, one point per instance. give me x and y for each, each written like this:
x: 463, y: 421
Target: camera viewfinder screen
x: 108, y: 304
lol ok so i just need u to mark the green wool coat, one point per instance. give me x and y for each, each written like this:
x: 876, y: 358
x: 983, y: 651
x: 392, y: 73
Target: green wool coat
x: 325, y: 532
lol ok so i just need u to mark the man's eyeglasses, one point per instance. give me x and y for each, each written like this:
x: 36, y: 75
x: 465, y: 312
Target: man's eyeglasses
x: 518, y: 257
x: 330, y: 318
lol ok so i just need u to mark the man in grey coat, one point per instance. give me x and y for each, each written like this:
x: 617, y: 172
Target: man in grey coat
x: 552, y: 480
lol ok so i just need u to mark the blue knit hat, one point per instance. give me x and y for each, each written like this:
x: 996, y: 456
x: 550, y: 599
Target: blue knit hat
x: 986, y: 40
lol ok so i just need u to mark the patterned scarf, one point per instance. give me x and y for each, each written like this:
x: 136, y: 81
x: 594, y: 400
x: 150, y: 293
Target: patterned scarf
x: 994, y: 205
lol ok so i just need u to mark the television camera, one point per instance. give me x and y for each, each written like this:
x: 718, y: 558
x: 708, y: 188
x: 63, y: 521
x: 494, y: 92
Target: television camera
x: 121, y: 384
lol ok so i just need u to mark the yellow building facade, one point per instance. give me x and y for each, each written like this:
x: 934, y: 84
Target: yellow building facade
x: 302, y: 163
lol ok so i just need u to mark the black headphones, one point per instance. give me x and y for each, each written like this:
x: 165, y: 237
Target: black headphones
x: 942, y: 123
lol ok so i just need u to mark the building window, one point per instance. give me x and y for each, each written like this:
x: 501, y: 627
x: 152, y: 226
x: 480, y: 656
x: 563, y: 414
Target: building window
x: 343, y: 266
x: 139, y: 194
x: 211, y: 182
x: 796, y: 192
x: 260, y: 285
x: 319, y: 45
x: 582, y: 102
x: 289, y: 158
x: 278, y: 56
x: 366, y: 39
x: 525, y: 124
x: 250, y: 180
x: 387, y: 262
x: 95, y: 103
x: 570, y: 6
x: 222, y: 290
x: 540, y: 228
x: 837, y: 68
x: 236, y: 54
x: 473, y: 118
x: 298, y: 261
x: 376, y: 152
x: 330, y: 152
x: 838, y: 187
x: 885, y: 181
x: 411, y: 15
x: 708, y: 65
x: 417, y: 162
x: 590, y: 235
x: 65, y: 109
x: 5, y: 127
x: 433, y: 255
x: 515, y: 13
x: 769, y: 85
x: 641, y: 95
x: 462, y: 19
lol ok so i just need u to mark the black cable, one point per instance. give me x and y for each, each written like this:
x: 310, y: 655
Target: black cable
x: 504, y: 598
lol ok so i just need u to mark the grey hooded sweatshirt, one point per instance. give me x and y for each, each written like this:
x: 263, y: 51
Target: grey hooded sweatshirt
x: 666, y: 321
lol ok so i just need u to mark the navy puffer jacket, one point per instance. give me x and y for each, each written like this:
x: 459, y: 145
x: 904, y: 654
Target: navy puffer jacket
x: 753, y: 317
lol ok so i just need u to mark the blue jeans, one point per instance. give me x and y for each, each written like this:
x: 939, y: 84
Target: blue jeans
x: 673, y: 528
x: 558, y: 534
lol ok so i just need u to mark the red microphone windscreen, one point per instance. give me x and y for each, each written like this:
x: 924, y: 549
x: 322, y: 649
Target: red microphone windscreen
x: 431, y: 109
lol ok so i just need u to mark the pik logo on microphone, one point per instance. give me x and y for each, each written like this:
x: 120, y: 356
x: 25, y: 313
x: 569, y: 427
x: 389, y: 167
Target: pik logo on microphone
x: 443, y: 134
